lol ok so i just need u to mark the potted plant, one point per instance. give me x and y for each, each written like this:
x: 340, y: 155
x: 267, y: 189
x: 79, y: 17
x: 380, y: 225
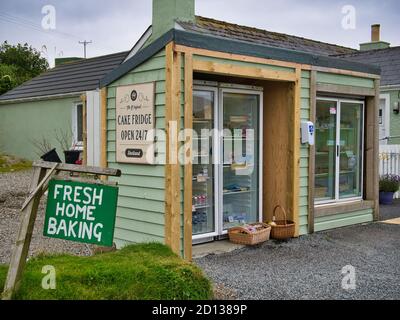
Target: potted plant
x: 71, y: 153
x: 45, y: 150
x: 388, y: 185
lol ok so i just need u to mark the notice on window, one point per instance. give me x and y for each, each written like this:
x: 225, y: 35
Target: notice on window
x: 135, y: 123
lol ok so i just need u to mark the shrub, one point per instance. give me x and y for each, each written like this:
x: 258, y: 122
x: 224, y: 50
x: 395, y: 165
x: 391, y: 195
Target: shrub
x: 389, y: 183
x: 137, y: 272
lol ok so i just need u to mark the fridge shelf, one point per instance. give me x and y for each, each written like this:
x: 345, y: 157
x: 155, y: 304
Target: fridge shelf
x: 229, y: 193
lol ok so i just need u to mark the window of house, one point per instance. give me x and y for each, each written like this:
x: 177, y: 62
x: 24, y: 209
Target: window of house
x: 77, y: 125
x: 339, y: 150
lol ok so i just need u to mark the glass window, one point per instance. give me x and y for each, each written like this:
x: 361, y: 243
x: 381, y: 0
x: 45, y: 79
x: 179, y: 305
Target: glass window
x: 339, y: 150
x: 325, y: 150
x: 351, y: 123
x: 79, y: 123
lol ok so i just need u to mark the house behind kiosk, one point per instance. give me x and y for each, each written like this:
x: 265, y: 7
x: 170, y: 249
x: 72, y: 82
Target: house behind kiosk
x: 191, y: 72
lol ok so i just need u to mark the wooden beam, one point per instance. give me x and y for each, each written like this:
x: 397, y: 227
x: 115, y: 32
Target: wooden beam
x: 296, y: 152
x: 84, y: 127
x: 239, y: 71
x: 346, y: 72
x: 329, y: 210
x: 103, y: 128
x: 341, y: 89
x: 372, y: 150
x: 311, y: 160
x: 78, y: 169
x: 172, y: 175
x: 234, y: 57
x: 243, y: 58
x: 21, y: 249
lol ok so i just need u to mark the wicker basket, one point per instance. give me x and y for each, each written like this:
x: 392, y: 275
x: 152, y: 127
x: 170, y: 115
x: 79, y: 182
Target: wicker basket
x: 241, y: 235
x: 284, y: 229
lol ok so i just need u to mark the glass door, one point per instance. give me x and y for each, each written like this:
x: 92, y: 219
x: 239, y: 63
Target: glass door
x: 339, y: 150
x: 204, y: 179
x: 241, y: 158
x: 325, y: 150
x: 351, y: 146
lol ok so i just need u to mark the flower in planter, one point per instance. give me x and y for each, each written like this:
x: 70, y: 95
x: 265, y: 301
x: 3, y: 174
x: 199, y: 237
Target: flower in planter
x: 389, y: 183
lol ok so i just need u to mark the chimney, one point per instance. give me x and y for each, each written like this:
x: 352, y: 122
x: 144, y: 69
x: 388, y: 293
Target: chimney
x: 167, y: 12
x: 376, y: 42
x: 375, y: 33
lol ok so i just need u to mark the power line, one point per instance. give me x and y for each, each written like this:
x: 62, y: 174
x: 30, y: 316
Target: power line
x: 22, y: 22
x: 85, y: 43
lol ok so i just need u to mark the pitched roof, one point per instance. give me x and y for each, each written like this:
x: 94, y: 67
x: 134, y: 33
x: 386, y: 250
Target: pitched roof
x: 387, y: 59
x: 233, y: 31
x: 214, y: 43
x: 74, y: 77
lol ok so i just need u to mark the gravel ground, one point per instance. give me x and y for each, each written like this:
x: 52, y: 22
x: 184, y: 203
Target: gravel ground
x: 13, y: 192
x: 310, y: 267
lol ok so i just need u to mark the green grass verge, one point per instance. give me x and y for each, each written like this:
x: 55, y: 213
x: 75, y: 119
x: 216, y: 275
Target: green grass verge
x: 137, y: 272
x: 11, y: 164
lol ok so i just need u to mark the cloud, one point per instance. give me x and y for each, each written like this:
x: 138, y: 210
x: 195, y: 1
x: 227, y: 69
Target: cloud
x: 116, y: 25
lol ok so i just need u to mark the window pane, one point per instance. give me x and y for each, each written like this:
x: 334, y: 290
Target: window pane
x: 79, y: 121
x: 325, y: 151
x: 350, y: 150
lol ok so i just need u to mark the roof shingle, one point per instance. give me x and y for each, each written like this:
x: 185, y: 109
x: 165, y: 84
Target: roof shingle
x: 74, y: 77
x: 223, y: 29
x: 387, y: 59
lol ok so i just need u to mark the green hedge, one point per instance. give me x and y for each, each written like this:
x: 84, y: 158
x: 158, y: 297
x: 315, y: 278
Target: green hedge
x: 137, y: 272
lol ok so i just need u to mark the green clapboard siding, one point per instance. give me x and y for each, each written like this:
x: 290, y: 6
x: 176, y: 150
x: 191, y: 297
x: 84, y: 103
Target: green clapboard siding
x: 23, y: 123
x: 342, y: 220
x: 394, y: 118
x: 141, y: 202
x: 345, y: 80
x: 304, y: 154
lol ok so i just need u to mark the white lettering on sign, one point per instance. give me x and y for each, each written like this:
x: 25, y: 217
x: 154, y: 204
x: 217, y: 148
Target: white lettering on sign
x: 77, y: 209
x: 92, y: 195
x: 135, y: 123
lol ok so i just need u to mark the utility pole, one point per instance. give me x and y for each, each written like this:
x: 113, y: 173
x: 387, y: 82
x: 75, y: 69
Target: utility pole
x: 85, y: 43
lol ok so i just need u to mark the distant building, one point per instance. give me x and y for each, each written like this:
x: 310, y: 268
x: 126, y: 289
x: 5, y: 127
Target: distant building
x: 380, y: 53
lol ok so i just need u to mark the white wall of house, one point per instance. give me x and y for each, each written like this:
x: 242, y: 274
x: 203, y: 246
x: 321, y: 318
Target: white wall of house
x: 93, y: 119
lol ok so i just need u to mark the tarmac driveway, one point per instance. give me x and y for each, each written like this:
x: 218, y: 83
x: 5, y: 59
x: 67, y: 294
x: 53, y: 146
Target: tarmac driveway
x: 310, y: 267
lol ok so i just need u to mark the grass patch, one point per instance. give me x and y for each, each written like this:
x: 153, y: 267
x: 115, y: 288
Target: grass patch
x: 12, y: 164
x: 137, y: 272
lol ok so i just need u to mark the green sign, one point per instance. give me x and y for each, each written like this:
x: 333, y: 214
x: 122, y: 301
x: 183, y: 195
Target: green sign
x: 81, y: 212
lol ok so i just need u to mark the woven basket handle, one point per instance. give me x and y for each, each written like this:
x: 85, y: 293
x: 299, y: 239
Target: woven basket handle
x: 283, y: 211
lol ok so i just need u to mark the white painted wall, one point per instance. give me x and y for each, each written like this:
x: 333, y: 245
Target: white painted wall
x: 93, y: 127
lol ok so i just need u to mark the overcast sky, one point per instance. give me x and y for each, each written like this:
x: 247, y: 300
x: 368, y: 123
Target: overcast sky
x: 116, y: 25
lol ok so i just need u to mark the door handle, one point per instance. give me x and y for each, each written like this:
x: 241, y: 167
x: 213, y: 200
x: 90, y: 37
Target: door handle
x: 337, y: 151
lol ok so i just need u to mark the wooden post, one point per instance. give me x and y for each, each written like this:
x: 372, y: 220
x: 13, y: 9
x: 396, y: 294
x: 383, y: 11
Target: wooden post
x: 311, y: 168
x: 23, y: 241
x: 172, y: 167
x: 103, y: 140
x: 188, y: 189
x: 295, y: 141
x: 376, y: 106
x: 84, y: 127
